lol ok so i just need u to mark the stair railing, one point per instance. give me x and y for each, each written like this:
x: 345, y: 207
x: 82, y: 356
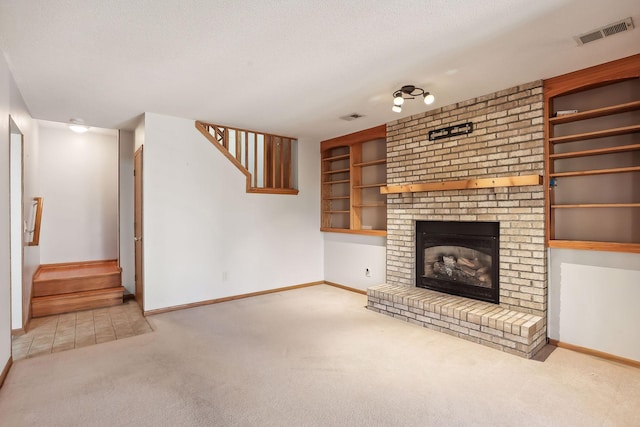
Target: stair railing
x: 265, y: 159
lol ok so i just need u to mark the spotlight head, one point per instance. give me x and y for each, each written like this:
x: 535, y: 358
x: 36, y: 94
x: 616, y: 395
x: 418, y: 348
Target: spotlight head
x: 428, y: 98
x: 396, y: 109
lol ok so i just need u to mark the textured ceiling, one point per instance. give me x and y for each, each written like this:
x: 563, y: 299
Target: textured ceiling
x: 290, y: 67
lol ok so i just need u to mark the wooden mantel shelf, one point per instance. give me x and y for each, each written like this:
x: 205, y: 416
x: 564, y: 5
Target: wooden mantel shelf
x: 465, y: 184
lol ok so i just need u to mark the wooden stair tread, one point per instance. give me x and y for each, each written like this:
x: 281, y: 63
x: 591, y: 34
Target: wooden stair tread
x: 76, y: 301
x: 68, y: 278
x: 75, y: 270
x: 96, y: 292
x: 77, y: 284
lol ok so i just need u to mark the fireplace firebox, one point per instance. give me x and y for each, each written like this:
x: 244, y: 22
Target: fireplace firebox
x: 459, y: 258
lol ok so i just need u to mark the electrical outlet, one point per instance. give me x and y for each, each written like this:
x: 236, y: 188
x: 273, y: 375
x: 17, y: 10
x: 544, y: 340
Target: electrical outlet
x: 367, y: 272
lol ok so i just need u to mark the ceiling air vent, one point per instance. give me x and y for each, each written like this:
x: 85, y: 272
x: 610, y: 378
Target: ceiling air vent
x: 606, y: 31
x: 351, y: 117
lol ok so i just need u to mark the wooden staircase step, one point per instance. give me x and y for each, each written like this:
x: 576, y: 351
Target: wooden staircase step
x: 76, y: 301
x: 54, y: 279
x: 76, y: 284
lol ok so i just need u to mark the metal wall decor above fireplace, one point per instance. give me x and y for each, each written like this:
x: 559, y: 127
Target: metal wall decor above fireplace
x: 459, y: 258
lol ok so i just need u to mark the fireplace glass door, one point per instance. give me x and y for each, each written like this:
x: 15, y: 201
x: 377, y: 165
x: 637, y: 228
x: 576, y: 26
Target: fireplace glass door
x: 459, y: 258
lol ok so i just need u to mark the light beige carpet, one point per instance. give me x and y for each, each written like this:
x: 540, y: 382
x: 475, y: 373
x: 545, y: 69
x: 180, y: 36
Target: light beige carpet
x: 310, y: 357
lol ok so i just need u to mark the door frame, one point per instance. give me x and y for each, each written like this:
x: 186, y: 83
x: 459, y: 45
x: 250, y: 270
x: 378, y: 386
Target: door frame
x: 15, y: 130
x: 138, y: 226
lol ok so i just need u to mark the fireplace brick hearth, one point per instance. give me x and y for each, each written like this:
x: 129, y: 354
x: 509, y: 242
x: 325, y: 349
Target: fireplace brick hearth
x: 511, y: 331
x: 507, y: 140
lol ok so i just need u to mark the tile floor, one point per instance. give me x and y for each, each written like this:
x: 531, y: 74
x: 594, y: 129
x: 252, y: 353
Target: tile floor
x: 73, y: 330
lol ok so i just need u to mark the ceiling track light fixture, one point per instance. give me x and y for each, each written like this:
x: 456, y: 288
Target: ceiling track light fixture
x: 410, y: 92
x: 78, y: 126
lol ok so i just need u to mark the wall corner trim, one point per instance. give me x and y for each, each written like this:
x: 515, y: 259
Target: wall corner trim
x: 5, y: 371
x: 346, y: 288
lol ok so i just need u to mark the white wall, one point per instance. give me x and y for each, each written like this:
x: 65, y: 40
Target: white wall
x: 125, y: 207
x: 205, y: 237
x: 593, y: 300
x: 347, y: 258
x: 79, y: 183
x: 11, y: 103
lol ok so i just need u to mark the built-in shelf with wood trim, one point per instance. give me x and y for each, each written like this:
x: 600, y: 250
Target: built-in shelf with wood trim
x: 335, y: 187
x: 353, y: 171
x: 597, y: 205
x: 596, y: 152
x: 595, y: 135
x: 595, y: 172
x: 371, y: 163
x: 598, y: 112
x: 593, y: 158
x: 370, y: 205
x: 370, y: 185
x: 339, y: 157
x: 465, y: 184
x: 331, y: 172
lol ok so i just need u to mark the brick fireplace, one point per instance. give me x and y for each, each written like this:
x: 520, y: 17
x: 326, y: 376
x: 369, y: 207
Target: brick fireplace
x: 507, y: 140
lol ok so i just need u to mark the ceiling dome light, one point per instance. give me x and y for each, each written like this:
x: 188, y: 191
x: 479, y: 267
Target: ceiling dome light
x: 428, y: 98
x: 410, y: 92
x: 78, y: 126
